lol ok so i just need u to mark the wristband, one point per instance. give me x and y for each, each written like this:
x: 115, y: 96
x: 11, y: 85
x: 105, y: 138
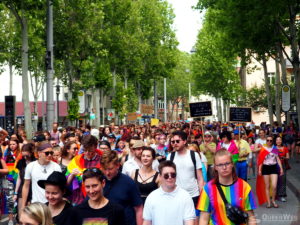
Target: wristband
x: 16, y: 193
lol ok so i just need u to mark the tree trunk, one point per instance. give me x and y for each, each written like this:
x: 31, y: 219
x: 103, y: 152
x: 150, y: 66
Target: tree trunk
x: 224, y: 111
x: 102, y: 106
x: 282, y: 64
x: 268, y: 91
x: 139, y: 95
x: 277, y: 92
x: 25, y: 86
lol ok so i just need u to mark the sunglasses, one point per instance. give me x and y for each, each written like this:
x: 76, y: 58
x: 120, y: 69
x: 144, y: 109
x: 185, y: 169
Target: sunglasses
x: 268, y: 140
x: 175, y: 141
x: 93, y: 169
x: 169, y: 175
x: 49, y: 153
x: 75, y: 148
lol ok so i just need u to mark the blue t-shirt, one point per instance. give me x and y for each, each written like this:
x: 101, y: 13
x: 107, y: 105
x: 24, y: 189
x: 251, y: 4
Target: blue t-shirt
x: 122, y: 190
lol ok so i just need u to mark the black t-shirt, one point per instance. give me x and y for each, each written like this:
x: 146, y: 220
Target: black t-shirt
x: 110, y: 214
x: 63, y: 217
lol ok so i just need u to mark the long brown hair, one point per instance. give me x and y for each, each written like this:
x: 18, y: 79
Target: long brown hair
x: 219, y: 153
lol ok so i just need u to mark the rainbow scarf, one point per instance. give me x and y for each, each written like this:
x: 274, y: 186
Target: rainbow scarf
x: 260, y: 183
x: 78, y: 162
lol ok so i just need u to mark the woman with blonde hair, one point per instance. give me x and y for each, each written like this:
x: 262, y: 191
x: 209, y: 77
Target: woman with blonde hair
x: 36, y: 214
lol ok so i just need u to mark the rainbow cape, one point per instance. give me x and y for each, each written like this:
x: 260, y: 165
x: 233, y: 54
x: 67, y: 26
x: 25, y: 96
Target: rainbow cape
x: 13, y: 172
x: 260, y: 183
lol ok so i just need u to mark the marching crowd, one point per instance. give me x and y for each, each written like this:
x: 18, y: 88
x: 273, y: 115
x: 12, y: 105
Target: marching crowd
x: 183, y: 173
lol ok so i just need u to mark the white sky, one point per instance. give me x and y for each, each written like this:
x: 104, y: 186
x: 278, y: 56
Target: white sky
x: 187, y: 23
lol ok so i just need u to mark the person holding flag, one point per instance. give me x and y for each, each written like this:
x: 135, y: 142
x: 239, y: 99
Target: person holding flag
x: 268, y: 164
x: 90, y: 158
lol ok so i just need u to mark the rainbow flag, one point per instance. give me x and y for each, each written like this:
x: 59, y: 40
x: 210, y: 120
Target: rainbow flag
x: 224, y: 125
x: 13, y: 172
x: 78, y: 162
x: 239, y: 126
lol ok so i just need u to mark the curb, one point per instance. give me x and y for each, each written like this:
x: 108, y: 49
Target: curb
x: 293, y: 188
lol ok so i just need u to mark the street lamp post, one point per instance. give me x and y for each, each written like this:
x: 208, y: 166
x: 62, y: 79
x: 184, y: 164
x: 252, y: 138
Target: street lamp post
x: 57, y: 101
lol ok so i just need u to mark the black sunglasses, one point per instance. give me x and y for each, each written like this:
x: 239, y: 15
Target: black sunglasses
x: 268, y: 140
x: 93, y: 169
x: 169, y: 175
x: 177, y: 141
x: 49, y: 153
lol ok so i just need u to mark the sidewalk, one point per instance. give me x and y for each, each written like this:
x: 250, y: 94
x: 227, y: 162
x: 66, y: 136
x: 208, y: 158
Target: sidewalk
x: 293, y: 177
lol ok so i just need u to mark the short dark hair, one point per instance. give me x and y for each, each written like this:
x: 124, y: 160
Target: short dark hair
x: 146, y: 148
x: 93, y: 173
x: 226, y: 134
x: 105, y: 143
x: 181, y: 134
x: 89, y: 140
x: 166, y: 163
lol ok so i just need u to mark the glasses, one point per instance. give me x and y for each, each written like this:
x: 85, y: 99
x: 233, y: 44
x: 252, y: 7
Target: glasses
x: 93, y: 169
x: 49, y: 153
x: 169, y: 175
x: 175, y: 141
x: 223, y: 165
x: 207, y: 136
x: 75, y: 148
x: 269, y: 140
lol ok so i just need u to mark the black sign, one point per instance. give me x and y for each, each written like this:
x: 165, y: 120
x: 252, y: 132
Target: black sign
x: 200, y: 109
x: 240, y: 114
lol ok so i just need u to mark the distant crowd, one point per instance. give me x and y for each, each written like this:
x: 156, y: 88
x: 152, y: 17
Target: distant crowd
x: 185, y: 173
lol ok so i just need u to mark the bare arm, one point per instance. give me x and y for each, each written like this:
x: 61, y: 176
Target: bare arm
x: 147, y: 222
x: 139, y: 214
x: 252, y: 219
x: 257, y: 147
x: 189, y: 222
x: 200, y: 179
x: 204, y: 218
x: 25, y: 191
x: 3, y: 171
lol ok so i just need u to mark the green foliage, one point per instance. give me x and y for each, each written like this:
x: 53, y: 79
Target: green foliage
x: 213, y: 63
x: 73, y: 108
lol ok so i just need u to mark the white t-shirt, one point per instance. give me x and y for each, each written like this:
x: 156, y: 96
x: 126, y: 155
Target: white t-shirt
x: 131, y: 165
x: 186, y: 172
x: 35, y: 172
x: 261, y: 141
x: 169, y: 208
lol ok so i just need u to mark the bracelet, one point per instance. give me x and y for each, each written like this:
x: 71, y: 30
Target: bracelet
x: 16, y: 193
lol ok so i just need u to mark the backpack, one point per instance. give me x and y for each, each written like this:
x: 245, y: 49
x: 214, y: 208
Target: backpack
x: 193, y: 160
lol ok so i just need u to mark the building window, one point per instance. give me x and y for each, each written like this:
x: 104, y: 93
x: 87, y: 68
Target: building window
x: 271, y: 78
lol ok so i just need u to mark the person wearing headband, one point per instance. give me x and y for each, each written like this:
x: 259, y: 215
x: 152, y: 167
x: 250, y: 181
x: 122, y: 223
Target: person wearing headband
x: 39, y: 170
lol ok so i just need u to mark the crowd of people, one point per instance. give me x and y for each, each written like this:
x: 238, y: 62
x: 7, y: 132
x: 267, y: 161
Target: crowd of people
x: 170, y: 174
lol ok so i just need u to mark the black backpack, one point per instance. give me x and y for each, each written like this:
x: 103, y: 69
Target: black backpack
x: 193, y: 160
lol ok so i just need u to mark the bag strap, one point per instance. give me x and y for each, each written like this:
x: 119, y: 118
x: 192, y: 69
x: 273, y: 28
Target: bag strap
x: 172, y: 156
x: 222, y: 194
x: 194, y: 161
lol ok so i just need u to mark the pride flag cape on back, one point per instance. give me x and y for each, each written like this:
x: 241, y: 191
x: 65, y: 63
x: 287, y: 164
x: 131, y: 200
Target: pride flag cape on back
x: 260, y: 183
x: 78, y: 162
x: 13, y: 172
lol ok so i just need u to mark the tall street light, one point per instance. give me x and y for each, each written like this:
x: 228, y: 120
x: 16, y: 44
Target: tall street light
x: 49, y: 65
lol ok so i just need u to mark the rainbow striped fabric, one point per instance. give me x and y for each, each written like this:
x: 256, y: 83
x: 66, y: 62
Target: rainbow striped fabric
x: 238, y: 194
x: 260, y: 183
x: 77, y: 162
x: 13, y: 172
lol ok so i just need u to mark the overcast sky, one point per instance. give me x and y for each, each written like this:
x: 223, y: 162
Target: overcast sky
x: 187, y: 23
